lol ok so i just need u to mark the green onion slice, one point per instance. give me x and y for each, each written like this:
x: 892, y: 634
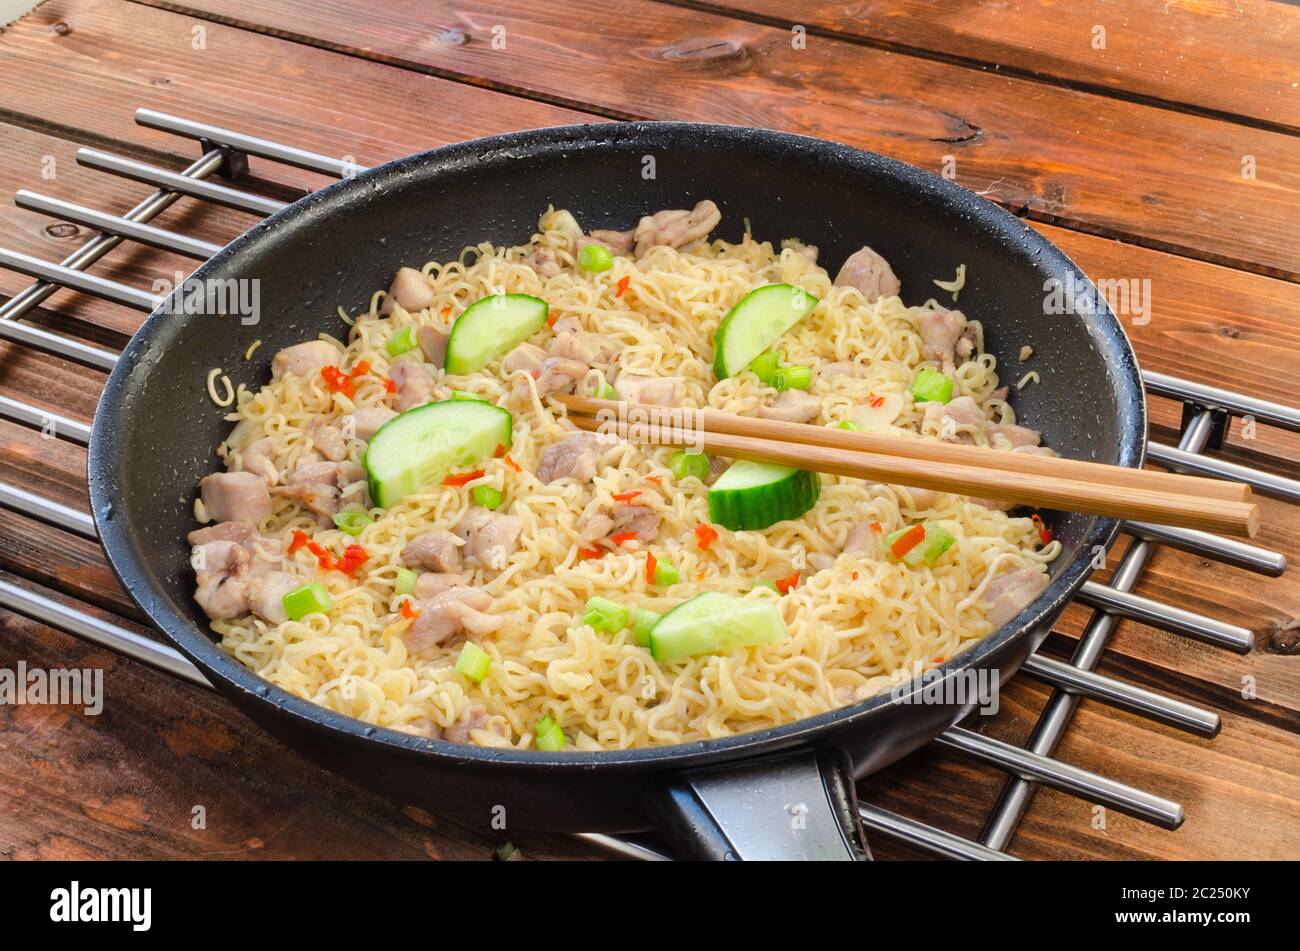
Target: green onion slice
x: 486, y: 496
x: 931, y: 386
x: 473, y: 662
x: 683, y: 464
x: 405, y: 581
x: 595, y: 258
x: 400, y: 342
x: 791, y: 378
x: 351, y: 523
x: 604, y: 615
x: 645, y: 619
x: 311, y: 598
x: 549, y: 735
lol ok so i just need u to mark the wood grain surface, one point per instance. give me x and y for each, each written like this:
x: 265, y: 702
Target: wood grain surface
x: 1129, y: 158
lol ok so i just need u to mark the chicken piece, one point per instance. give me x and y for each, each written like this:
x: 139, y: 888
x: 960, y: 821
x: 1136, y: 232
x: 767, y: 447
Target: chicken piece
x: 473, y: 717
x: 1017, y: 436
x: 636, y: 518
x: 596, y: 527
x: 957, y: 420
x: 235, y: 497
x: 968, y: 343
x: 410, y: 289
x: 527, y: 357
x: 1008, y: 594
x: 489, y: 538
x: 574, y: 343
x: 256, y: 458
x: 940, y: 332
x: 367, y: 420
x: 619, y: 243
x: 318, y: 484
x: 414, y: 385
x: 572, y: 457
x: 870, y: 273
x: 219, y: 567
x: 304, y: 359
x: 543, y: 260
x: 792, y: 406
x: 652, y: 390
x: 266, y: 595
x: 433, y: 341
x: 437, y: 550
x: 1002, y: 393
x: 675, y: 228
x: 559, y: 375
x: 862, y: 540
x: 717, y: 466
x: 432, y: 583
x: 327, y: 439
x: 241, y: 533
x: 455, y: 610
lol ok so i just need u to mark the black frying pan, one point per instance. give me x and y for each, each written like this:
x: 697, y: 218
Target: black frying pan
x: 783, y: 791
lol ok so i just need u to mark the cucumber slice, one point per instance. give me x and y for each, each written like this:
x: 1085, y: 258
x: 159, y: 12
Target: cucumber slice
x: 490, y: 328
x: 756, y: 323
x: 754, y: 495
x: 421, y: 446
x: 714, y: 623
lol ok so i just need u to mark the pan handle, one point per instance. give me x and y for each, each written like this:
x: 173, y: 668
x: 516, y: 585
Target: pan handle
x: 796, y: 805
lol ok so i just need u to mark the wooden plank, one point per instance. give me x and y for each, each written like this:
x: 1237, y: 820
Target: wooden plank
x: 111, y: 57
x: 1171, y: 53
x: 175, y: 747
x: 1054, y: 154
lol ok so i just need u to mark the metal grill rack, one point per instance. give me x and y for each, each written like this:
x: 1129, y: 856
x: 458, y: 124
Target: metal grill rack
x: 1206, y: 414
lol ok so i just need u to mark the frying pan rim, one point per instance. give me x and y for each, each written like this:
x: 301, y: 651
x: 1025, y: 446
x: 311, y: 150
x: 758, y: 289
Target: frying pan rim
x: 228, y: 675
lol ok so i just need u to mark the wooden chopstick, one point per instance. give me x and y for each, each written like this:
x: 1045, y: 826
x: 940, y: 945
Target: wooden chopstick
x: 1132, y: 501
x: 716, y: 421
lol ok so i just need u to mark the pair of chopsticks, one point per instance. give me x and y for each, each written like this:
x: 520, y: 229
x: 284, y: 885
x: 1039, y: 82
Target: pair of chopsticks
x: 1069, y: 485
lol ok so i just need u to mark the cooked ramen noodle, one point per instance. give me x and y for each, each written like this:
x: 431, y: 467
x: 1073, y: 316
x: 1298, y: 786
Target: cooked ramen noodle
x: 481, y: 571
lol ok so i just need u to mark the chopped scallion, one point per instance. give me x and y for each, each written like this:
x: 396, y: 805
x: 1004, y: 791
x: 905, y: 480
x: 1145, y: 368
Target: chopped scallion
x: 606, y: 392
x: 850, y: 425
x: 486, y: 496
x: 400, y: 342
x: 464, y: 395
x: 595, y: 258
x: 473, y: 662
x: 683, y: 464
x: 604, y: 615
x: 931, y: 386
x: 549, y: 736
x: 665, y: 573
x: 351, y: 523
x: 791, y: 378
x: 406, y: 579
x: 765, y: 583
x: 311, y: 598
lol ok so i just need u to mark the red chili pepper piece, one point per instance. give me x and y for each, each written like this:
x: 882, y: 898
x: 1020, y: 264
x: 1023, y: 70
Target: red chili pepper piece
x: 705, y: 535
x: 621, y: 537
x: 409, y: 612
x: 463, y: 477
x: 627, y: 496
x: 784, y: 585
x: 650, y: 565
x: 589, y: 552
x: 512, y: 464
x: 299, y: 539
x: 907, y: 541
x: 1045, y: 534
x: 623, y: 282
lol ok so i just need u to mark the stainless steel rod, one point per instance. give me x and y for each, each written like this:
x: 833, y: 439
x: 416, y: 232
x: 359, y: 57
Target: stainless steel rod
x: 96, y: 631
x: 55, y: 423
x: 1230, y: 551
x: 40, y: 339
x: 623, y: 848
x: 115, y: 225
x: 1176, y: 620
x: 28, y: 503
x: 249, y: 144
x: 1182, y: 461
x: 178, y: 183
x: 1055, y: 718
x: 77, y: 280
x: 1288, y: 417
x: 1069, y: 779
x: 1124, y: 696
x: 90, y: 252
x: 927, y: 838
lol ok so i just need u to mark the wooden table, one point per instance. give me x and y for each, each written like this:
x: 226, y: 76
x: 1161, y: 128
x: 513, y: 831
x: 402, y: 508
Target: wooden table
x: 1150, y: 140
